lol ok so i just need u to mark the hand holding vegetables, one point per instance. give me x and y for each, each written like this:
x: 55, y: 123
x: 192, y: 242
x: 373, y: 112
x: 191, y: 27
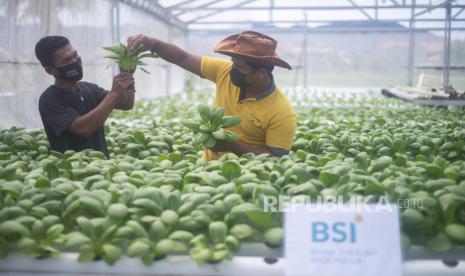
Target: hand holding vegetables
x: 121, y: 82
x: 140, y: 39
x: 212, y: 126
x: 128, y: 61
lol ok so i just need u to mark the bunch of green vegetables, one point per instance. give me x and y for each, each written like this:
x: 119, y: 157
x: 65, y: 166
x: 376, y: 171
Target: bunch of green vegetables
x: 108, y: 208
x: 212, y: 126
x: 129, y: 60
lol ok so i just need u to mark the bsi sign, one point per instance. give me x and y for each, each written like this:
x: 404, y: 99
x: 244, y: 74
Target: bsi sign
x: 342, y: 243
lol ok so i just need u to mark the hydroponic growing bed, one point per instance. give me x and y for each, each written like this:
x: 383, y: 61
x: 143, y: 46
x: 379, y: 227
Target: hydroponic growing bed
x: 156, y: 199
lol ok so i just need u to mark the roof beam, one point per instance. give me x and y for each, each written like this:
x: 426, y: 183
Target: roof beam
x: 457, y: 14
x: 315, y: 21
x: 199, y: 7
x: 324, y: 30
x: 314, y: 7
x: 443, y: 4
x: 216, y: 12
x: 179, y: 4
x: 360, y: 9
x: 155, y: 9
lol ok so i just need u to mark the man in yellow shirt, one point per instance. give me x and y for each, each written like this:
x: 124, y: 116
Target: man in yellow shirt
x: 244, y: 87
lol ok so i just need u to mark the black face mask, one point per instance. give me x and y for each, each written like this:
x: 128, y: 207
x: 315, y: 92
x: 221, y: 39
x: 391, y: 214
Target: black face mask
x: 237, y: 78
x: 71, y: 72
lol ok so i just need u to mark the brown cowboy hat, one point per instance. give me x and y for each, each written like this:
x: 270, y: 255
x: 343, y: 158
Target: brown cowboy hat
x: 253, y: 47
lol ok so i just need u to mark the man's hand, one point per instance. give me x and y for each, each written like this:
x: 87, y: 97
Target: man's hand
x: 136, y: 40
x: 121, y: 82
x: 222, y: 146
x: 167, y: 51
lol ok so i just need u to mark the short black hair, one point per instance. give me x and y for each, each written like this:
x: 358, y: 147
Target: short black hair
x: 256, y: 66
x: 46, y: 48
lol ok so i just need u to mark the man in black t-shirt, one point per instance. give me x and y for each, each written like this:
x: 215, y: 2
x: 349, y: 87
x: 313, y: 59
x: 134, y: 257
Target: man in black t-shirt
x: 74, y: 112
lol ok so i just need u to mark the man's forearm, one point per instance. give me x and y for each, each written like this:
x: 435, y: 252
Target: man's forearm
x: 126, y: 101
x: 88, y: 124
x: 168, y: 51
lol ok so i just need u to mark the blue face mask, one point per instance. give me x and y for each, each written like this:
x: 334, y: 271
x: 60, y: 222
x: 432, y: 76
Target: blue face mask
x: 71, y: 72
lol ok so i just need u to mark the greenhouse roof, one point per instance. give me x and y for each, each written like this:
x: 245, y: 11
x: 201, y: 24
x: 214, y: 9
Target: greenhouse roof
x: 207, y: 15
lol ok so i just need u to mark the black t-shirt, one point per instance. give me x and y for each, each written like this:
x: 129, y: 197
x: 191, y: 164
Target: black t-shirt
x: 59, y: 108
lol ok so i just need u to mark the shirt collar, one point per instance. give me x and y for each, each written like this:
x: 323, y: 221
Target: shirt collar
x: 262, y: 95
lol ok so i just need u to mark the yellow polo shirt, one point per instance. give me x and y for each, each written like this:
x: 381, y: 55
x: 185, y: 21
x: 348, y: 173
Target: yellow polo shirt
x: 267, y: 121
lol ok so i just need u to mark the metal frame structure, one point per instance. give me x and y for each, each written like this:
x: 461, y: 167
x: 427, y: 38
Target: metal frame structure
x: 195, y: 16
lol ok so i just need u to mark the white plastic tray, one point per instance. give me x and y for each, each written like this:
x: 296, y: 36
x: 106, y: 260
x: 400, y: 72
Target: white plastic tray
x: 249, y: 261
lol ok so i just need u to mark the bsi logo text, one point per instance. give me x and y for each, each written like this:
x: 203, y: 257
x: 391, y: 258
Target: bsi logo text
x: 338, y: 232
